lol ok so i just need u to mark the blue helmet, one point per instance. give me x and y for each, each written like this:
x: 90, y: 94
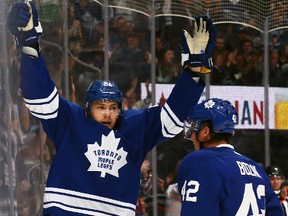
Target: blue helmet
x: 220, y: 112
x: 103, y: 90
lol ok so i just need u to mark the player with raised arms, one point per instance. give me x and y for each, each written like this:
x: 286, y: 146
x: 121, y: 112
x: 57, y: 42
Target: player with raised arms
x: 100, y: 147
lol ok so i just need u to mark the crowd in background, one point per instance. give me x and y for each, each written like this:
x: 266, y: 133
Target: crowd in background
x: 238, y: 60
x: 238, y: 55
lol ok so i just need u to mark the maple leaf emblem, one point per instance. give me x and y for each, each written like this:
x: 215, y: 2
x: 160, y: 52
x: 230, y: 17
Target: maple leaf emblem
x: 106, y: 158
x: 209, y: 104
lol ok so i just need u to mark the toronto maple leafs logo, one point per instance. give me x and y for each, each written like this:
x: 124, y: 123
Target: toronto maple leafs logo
x: 209, y: 104
x: 106, y: 158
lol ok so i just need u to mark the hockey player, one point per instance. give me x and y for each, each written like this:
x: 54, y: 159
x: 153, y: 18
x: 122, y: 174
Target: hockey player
x: 215, y: 179
x: 100, y: 148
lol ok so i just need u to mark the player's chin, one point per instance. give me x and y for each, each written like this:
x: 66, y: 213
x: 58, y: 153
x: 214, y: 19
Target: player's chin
x: 107, y: 124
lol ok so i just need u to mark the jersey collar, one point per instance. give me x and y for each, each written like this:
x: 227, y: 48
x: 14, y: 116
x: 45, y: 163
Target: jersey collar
x: 225, y: 145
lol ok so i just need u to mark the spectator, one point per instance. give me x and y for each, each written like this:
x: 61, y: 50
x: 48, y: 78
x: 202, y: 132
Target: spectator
x: 85, y: 12
x: 118, y: 34
x: 220, y: 48
x: 220, y: 75
x: 283, y: 37
x: 145, y: 67
x: 169, y: 68
x: 235, y: 64
x: 275, y: 43
x: 241, y: 71
x: 276, y: 177
x: 241, y: 36
x: 31, y: 173
x: 159, y: 48
x: 275, y: 69
x: 284, y: 54
x: 146, y: 102
x: 7, y: 164
x: 5, y: 187
x: 145, y: 188
x: 75, y: 30
x: 130, y: 96
x: 284, y: 75
x: 127, y: 61
x: 173, y: 198
x: 173, y: 201
x: 229, y: 33
x: 131, y: 99
x: 284, y: 197
x: 133, y: 52
x: 247, y: 49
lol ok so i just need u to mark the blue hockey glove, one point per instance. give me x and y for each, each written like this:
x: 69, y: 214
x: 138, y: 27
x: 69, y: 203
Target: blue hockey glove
x: 23, y: 23
x: 197, y: 50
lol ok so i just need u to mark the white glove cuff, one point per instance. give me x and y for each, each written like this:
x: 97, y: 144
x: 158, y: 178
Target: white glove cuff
x: 30, y: 51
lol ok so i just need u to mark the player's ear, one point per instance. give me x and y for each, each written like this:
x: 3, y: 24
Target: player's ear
x: 206, y: 132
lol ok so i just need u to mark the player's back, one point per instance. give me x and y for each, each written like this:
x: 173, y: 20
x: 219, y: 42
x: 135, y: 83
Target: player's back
x: 219, y: 181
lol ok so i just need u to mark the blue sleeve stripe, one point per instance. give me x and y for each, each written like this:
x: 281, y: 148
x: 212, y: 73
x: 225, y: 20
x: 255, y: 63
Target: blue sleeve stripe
x: 171, y: 125
x: 86, y: 204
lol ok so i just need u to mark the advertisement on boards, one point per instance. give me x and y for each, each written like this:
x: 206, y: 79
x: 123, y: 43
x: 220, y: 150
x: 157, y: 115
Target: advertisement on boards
x: 249, y: 102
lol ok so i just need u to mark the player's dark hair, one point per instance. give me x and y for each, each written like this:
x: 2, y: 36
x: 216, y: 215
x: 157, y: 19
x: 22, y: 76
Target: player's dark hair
x: 217, y: 136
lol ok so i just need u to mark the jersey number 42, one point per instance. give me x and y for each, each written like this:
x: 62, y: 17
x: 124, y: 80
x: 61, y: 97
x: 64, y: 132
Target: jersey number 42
x: 250, y: 199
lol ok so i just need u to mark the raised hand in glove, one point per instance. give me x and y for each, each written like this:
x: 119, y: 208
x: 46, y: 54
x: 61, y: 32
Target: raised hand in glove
x: 23, y: 23
x: 197, y: 49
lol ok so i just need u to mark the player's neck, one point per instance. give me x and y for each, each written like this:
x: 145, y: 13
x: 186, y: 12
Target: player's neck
x: 211, y: 143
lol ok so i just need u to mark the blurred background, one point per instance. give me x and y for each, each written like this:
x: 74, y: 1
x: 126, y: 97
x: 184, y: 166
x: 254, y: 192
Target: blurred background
x: 136, y: 44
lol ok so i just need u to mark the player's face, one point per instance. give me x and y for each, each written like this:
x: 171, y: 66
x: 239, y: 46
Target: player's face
x: 105, y: 112
x: 276, y: 182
